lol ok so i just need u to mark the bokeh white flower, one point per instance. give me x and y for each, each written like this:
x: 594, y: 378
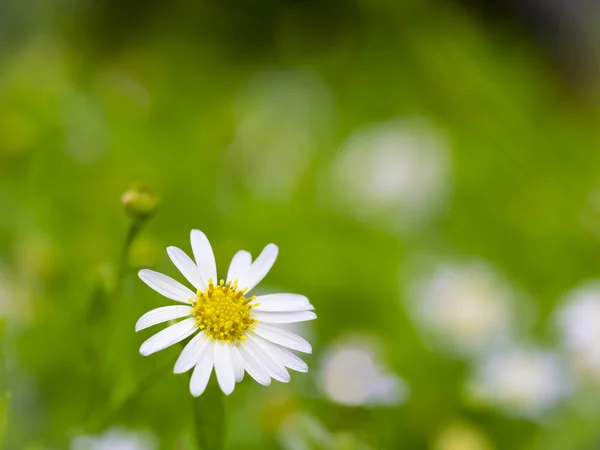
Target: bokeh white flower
x: 116, y: 439
x: 301, y: 431
x: 272, y: 159
x: 521, y: 381
x: 352, y: 374
x: 466, y: 307
x: 395, y: 172
x: 578, y: 321
x: 233, y: 332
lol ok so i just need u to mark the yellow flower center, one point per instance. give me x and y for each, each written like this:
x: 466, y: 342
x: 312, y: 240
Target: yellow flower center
x: 223, y: 312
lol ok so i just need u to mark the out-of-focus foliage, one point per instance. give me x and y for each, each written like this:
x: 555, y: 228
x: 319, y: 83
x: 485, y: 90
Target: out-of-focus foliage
x: 431, y: 182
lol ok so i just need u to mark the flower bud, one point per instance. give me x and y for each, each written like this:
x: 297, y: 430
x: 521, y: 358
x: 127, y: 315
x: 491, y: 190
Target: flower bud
x: 139, y: 202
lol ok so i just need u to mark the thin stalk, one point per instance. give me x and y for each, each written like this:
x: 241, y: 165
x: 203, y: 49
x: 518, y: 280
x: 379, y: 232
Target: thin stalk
x: 134, y: 228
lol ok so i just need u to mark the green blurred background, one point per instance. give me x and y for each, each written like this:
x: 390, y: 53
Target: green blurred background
x: 429, y: 169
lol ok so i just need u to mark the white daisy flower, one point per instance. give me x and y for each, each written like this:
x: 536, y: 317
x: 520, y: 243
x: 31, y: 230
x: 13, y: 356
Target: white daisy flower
x: 233, y: 332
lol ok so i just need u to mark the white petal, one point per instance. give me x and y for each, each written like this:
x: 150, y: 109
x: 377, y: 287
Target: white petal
x: 252, y: 365
x: 205, y: 258
x: 224, y: 367
x: 282, y: 303
x: 285, y: 357
x: 191, y: 353
x: 260, y: 267
x: 169, y: 336
x: 164, y: 314
x: 284, y: 317
x: 240, y: 263
x: 203, y: 369
x: 166, y: 286
x: 238, y: 363
x: 276, y: 370
x: 283, y: 337
x: 187, y: 267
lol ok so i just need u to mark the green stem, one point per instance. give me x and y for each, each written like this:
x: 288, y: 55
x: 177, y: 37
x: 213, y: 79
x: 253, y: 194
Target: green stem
x: 209, y: 418
x: 99, y: 316
x: 134, y: 228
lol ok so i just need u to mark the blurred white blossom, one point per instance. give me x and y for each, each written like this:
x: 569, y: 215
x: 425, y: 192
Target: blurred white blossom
x: 282, y: 117
x: 467, y: 307
x: 116, y: 439
x: 352, y: 374
x: 521, y: 381
x: 578, y: 320
x: 301, y: 431
x: 396, y: 172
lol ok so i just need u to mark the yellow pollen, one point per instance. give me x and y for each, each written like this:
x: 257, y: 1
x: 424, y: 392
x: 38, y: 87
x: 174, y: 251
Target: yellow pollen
x: 223, y: 312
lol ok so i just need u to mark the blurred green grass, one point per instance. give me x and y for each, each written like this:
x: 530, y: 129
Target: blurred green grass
x: 83, y: 118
